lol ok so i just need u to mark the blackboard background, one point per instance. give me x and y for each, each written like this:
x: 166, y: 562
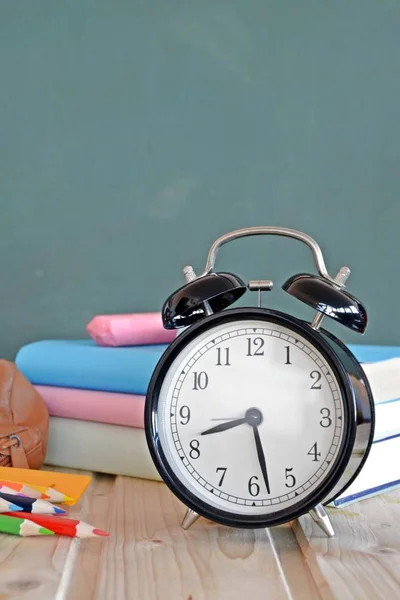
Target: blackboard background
x: 133, y: 133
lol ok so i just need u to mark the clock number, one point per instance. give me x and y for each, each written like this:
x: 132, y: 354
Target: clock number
x: 194, y: 449
x: 185, y: 414
x: 316, y: 376
x: 254, y: 346
x: 200, y: 380
x: 290, y: 478
x: 224, y: 469
x: 220, y: 362
x: 254, y: 488
x: 314, y: 452
x: 326, y: 420
x: 287, y: 355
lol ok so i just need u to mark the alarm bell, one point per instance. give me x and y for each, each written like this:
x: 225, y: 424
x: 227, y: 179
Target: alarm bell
x: 212, y: 292
x: 325, y: 297
x: 190, y: 303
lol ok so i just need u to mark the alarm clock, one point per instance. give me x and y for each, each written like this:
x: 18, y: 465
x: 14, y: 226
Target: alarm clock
x: 254, y: 417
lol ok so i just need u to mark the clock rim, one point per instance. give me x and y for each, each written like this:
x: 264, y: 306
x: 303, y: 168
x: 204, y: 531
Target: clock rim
x: 171, y: 479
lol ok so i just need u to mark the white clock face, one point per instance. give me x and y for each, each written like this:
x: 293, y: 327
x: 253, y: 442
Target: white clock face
x: 250, y: 417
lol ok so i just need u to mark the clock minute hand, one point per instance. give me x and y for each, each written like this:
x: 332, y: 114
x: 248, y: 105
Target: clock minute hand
x: 261, y: 456
x: 224, y: 426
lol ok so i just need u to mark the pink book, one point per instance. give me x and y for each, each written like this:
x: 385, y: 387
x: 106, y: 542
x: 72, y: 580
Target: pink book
x: 136, y: 329
x: 93, y: 405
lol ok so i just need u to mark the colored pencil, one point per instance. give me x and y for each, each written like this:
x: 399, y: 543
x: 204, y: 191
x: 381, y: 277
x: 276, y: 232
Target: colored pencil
x: 51, y: 494
x: 70, y: 483
x: 35, y: 491
x: 33, y: 505
x: 21, y: 488
x: 23, y: 527
x: 7, y: 490
x: 64, y: 526
x: 6, y: 506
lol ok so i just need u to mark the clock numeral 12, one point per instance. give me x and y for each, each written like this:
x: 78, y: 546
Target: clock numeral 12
x: 200, y: 380
x: 314, y: 452
x: 220, y: 362
x: 254, y: 346
x: 224, y: 469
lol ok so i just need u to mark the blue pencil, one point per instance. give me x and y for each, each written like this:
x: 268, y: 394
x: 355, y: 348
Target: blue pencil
x: 33, y: 505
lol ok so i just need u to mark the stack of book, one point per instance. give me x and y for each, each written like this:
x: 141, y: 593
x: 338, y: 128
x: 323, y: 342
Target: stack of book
x: 381, y: 471
x: 96, y: 393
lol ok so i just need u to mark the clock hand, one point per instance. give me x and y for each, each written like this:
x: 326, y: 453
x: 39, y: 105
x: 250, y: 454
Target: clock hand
x: 261, y: 456
x: 224, y: 426
x: 252, y: 417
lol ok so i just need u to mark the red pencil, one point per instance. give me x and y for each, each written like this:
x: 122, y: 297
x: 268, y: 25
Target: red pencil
x: 62, y: 525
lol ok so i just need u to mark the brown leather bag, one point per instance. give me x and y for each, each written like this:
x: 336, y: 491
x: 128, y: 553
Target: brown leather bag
x: 24, y: 420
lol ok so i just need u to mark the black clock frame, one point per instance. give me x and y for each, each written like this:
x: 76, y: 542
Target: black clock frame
x: 321, y: 493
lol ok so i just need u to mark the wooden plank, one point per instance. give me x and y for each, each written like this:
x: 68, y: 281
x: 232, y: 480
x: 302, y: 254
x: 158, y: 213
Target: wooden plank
x: 362, y: 561
x: 150, y: 556
x: 84, y: 564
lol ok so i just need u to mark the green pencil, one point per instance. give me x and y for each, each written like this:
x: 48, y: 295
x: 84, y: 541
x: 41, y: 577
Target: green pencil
x: 22, y: 527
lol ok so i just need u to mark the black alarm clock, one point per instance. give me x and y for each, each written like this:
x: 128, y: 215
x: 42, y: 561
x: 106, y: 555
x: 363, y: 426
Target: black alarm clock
x: 254, y: 417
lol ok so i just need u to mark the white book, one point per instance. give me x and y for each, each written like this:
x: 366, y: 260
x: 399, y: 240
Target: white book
x: 384, y: 378
x: 99, y: 447
x: 380, y: 473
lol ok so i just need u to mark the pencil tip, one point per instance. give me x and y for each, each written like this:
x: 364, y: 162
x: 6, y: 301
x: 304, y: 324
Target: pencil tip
x: 44, y: 531
x: 100, y: 532
x: 14, y: 508
x: 59, y: 511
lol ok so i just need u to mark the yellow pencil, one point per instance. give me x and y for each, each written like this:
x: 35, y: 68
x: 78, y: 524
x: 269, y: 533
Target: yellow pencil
x: 37, y: 491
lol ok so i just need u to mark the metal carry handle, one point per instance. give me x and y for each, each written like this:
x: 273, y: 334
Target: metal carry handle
x: 283, y: 231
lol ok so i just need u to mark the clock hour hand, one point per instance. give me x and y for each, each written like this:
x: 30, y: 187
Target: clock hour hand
x: 261, y: 457
x: 224, y: 426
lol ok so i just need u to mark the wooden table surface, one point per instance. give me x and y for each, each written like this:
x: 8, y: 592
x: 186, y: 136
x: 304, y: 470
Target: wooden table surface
x: 149, y: 556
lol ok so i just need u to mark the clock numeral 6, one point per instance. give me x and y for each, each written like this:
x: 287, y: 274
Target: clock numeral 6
x: 194, y: 449
x: 200, y: 380
x: 290, y: 479
x: 316, y: 377
x: 314, y: 452
x: 254, y: 488
x: 326, y: 420
x: 255, y: 346
x: 224, y: 469
x: 223, y: 359
x: 185, y: 414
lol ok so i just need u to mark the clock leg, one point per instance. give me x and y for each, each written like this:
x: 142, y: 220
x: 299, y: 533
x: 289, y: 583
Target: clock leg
x: 322, y: 520
x: 189, y: 518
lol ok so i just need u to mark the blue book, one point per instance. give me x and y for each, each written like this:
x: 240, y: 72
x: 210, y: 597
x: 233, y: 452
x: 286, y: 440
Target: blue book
x: 83, y: 364
x: 367, y: 354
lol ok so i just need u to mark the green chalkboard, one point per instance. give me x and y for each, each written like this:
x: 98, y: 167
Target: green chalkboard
x: 134, y: 133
